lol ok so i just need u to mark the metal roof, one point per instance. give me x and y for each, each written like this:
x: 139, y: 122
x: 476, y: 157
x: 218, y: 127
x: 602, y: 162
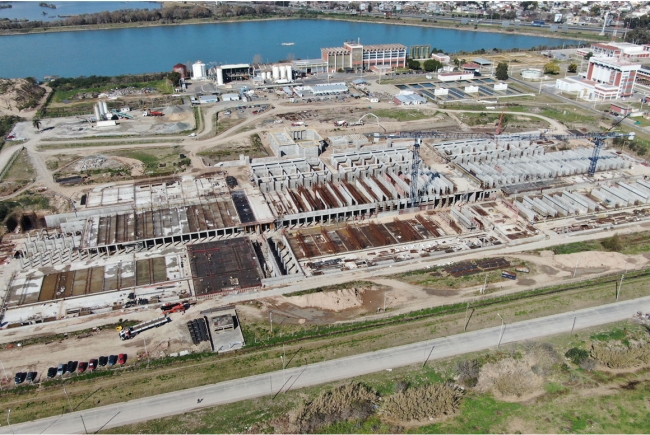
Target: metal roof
x: 481, y: 61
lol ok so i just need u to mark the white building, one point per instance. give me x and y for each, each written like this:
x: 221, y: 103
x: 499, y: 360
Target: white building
x: 198, y: 70
x: 607, y: 78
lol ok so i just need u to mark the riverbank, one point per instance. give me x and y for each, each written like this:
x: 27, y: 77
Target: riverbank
x: 486, y: 28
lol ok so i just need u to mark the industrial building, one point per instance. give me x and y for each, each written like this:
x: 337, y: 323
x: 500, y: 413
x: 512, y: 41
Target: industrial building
x: 354, y: 56
x: 228, y: 73
x: 607, y: 78
x: 181, y: 69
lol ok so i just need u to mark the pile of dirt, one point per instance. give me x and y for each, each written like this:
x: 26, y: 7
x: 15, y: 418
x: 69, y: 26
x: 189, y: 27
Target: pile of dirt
x: 18, y: 95
x: 596, y: 259
x: 95, y: 162
x: 338, y: 300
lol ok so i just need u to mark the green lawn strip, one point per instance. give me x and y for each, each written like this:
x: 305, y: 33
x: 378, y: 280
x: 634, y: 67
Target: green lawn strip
x: 104, y: 144
x: 403, y: 115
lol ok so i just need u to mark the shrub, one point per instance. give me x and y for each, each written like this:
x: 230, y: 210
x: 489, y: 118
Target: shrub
x: 424, y: 402
x: 468, y: 372
x: 577, y: 356
x: 613, y: 243
x: 621, y: 357
x: 346, y: 402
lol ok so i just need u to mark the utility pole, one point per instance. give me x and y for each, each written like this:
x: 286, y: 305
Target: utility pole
x: 384, y: 302
x: 4, y: 371
x: 576, y: 268
x: 68, y: 397
x: 271, y: 320
x: 145, y: 349
x: 620, y: 286
x: 503, y: 325
x: 574, y: 325
x: 466, y: 310
x: 9, y: 424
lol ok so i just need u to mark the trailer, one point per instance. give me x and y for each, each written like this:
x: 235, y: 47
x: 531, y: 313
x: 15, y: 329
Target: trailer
x: 509, y: 275
x: 127, y: 333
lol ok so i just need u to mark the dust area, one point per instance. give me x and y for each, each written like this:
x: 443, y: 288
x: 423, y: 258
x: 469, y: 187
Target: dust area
x: 599, y: 259
x: 172, y: 337
x: 336, y: 301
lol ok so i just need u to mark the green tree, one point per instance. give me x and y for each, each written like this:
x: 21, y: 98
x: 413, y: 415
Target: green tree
x: 613, y: 243
x: 414, y: 64
x: 589, y: 55
x: 369, y: 7
x: 502, y: 71
x: 551, y: 67
x: 36, y: 123
x: 174, y: 77
x: 432, y: 65
x: 573, y: 67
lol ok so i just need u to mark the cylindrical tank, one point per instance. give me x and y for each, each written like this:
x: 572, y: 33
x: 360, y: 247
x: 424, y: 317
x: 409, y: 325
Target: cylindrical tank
x: 219, y: 76
x: 283, y: 72
x: 98, y: 116
x: 532, y: 74
x: 289, y: 72
x: 276, y: 73
x: 269, y: 75
x: 105, y: 109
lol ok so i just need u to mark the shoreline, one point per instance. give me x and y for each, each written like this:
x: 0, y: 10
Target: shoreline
x: 492, y: 29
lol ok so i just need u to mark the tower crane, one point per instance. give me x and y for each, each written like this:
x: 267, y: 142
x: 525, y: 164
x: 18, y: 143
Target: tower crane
x: 597, y: 138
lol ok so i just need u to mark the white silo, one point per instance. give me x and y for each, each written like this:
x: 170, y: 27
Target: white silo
x: 219, y: 76
x: 289, y: 73
x: 283, y: 72
x: 276, y: 72
x: 198, y: 70
x: 98, y: 116
x: 105, y: 110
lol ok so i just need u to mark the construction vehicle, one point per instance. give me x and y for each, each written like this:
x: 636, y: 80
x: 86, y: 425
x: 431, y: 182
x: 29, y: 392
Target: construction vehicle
x: 127, y: 333
x: 340, y: 123
x: 152, y: 113
x: 177, y: 308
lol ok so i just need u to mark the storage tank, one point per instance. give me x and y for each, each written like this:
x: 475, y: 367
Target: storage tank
x: 532, y: 74
x: 276, y: 73
x: 198, y: 70
x: 104, y: 109
x: 98, y: 116
x: 283, y: 73
x: 289, y: 72
x: 219, y: 76
x: 181, y: 69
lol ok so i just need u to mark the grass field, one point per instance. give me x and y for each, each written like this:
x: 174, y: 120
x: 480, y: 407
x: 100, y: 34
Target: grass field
x: 404, y: 115
x: 18, y: 174
x: 67, y: 144
x: 635, y: 243
x: 571, y: 400
x: 161, y: 86
x: 154, y: 158
x: 226, y: 152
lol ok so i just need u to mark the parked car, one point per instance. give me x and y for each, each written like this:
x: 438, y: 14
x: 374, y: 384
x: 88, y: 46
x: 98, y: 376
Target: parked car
x: 20, y: 377
x: 112, y: 360
x: 82, y: 367
x: 51, y: 372
x: 72, y: 366
x: 63, y: 368
x: 31, y: 376
x: 92, y: 365
x: 121, y: 359
x: 103, y: 360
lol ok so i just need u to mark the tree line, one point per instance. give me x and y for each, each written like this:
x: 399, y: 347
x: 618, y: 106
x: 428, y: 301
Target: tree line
x: 164, y: 15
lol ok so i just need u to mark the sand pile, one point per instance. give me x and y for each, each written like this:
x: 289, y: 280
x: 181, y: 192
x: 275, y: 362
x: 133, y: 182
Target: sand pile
x: 613, y: 260
x: 333, y: 300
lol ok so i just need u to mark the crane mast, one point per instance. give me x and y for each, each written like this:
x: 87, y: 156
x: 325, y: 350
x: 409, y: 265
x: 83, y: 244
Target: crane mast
x: 415, y: 172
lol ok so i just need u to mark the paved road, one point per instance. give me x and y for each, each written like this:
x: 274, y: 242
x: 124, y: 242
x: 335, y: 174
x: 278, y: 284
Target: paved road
x: 271, y: 383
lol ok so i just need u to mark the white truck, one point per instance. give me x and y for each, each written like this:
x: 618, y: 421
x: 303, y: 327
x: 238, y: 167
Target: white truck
x: 127, y: 333
x: 558, y: 18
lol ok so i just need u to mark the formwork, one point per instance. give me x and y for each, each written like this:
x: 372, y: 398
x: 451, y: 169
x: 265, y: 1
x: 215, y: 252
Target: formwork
x: 224, y: 265
x: 338, y: 239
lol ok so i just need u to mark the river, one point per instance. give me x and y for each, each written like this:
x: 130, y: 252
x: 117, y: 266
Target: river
x: 152, y: 49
